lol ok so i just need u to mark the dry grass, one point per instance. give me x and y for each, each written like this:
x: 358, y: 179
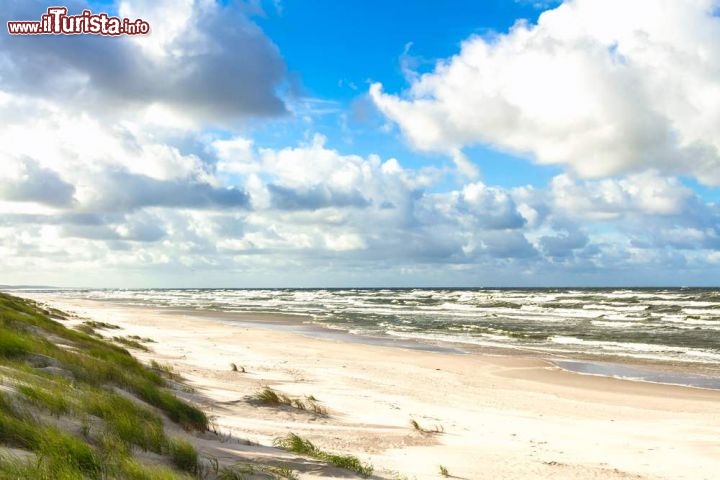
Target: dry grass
x: 417, y: 427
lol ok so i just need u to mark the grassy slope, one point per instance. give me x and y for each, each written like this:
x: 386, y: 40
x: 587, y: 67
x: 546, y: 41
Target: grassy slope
x: 75, y: 406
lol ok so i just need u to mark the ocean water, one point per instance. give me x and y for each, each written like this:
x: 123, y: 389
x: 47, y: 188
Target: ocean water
x: 681, y: 326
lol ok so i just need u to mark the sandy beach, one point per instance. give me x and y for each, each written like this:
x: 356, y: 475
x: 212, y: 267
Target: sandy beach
x: 486, y: 416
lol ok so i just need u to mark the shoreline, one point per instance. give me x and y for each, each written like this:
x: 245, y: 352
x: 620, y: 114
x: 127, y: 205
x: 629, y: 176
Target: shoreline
x: 503, y: 416
x: 694, y: 357
x: 689, y: 374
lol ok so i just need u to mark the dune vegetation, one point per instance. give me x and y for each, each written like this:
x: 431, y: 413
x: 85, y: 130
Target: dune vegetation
x: 76, y: 406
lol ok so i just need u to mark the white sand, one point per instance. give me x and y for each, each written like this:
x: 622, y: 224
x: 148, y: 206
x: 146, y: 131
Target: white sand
x: 504, y: 417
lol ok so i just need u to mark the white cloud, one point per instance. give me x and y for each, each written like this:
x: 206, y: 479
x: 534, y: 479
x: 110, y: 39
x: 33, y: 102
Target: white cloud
x: 604, y: 87
x: 309, y: 209
x: 26, y: 181
x: 235, y: 156
x: 345, y: 242
x: 170, y: 20
x: 490, y: 207
x: 74, y: 143
x: 189, y: 69
x: 647, y: 194
x: 714, y: 257
x: 563, y: 244
x: 135, y: 196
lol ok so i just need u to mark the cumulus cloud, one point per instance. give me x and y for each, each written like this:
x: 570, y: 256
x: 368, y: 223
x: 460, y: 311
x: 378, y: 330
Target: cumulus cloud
x: 119, y: 190
x: 141, y: 227
x: 303, y: 204
x: 75, y: 143
x: 647, y: 193
x: 30, y: 182
x: 514, y: 244
x: 490, y: 207
x: 563, y: 244
x: 311, y: 208
x: 204, y: 59
x: 100, y: 174
x: 314, y: 198
x: 605, y: 88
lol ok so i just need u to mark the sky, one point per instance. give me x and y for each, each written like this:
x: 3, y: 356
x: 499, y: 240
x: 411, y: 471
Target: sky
x: 325, y: 143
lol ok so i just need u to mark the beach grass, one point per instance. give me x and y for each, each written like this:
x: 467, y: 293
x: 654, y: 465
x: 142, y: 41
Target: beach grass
x: 166, y: 370
x: 79, y: 406
x: 184, y: 456
x: 269, y: 397
x: 50, y: 398
x: 296, y: 444
x: 129, y: 421
x: 417, y: 427
x: 85, y: 328
x: 131, y: 343
x: 244, y: 471
x: 100, y: 325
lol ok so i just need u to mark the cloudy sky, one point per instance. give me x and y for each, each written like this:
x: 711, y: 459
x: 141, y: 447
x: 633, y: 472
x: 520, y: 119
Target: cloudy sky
x: 364, y: 143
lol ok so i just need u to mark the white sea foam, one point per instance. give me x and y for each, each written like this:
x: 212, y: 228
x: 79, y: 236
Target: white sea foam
x: 573, y: 320
x: 613, y: 324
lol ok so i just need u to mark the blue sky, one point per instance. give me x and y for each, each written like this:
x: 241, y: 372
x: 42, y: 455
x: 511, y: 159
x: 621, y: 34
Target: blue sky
x: 355, y: 43
x: 327, y: 42
x: 325, y: 143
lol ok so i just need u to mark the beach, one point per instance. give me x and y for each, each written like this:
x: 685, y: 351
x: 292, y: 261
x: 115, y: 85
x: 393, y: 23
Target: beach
x: 480, y: 415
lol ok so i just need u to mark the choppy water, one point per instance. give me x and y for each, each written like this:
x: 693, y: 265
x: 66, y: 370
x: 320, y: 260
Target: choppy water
x: 680, y: 325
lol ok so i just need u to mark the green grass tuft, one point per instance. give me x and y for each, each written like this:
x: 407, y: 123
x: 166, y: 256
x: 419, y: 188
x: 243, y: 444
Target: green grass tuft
x: 132, y: 470
x: 269, y: 397
x: 16, y: 428
x: 166, y: 370
x: 101, y: 325
x: 85, y: 328
x: 247, y: 471
x: 141, y: 339
x: 180, y: 412
x: 302, y: 446
x: 184, y: 456
x: 15, y: 344
x: 52, y: 399
x: 130, y: 342
x: 130, y: 422
x: 59, y: 448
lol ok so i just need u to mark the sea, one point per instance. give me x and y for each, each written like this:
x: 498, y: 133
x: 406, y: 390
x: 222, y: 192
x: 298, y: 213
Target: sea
x: 617, y: 332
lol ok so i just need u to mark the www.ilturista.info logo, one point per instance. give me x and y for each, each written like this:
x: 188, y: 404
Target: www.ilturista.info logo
x: 57, y: 22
